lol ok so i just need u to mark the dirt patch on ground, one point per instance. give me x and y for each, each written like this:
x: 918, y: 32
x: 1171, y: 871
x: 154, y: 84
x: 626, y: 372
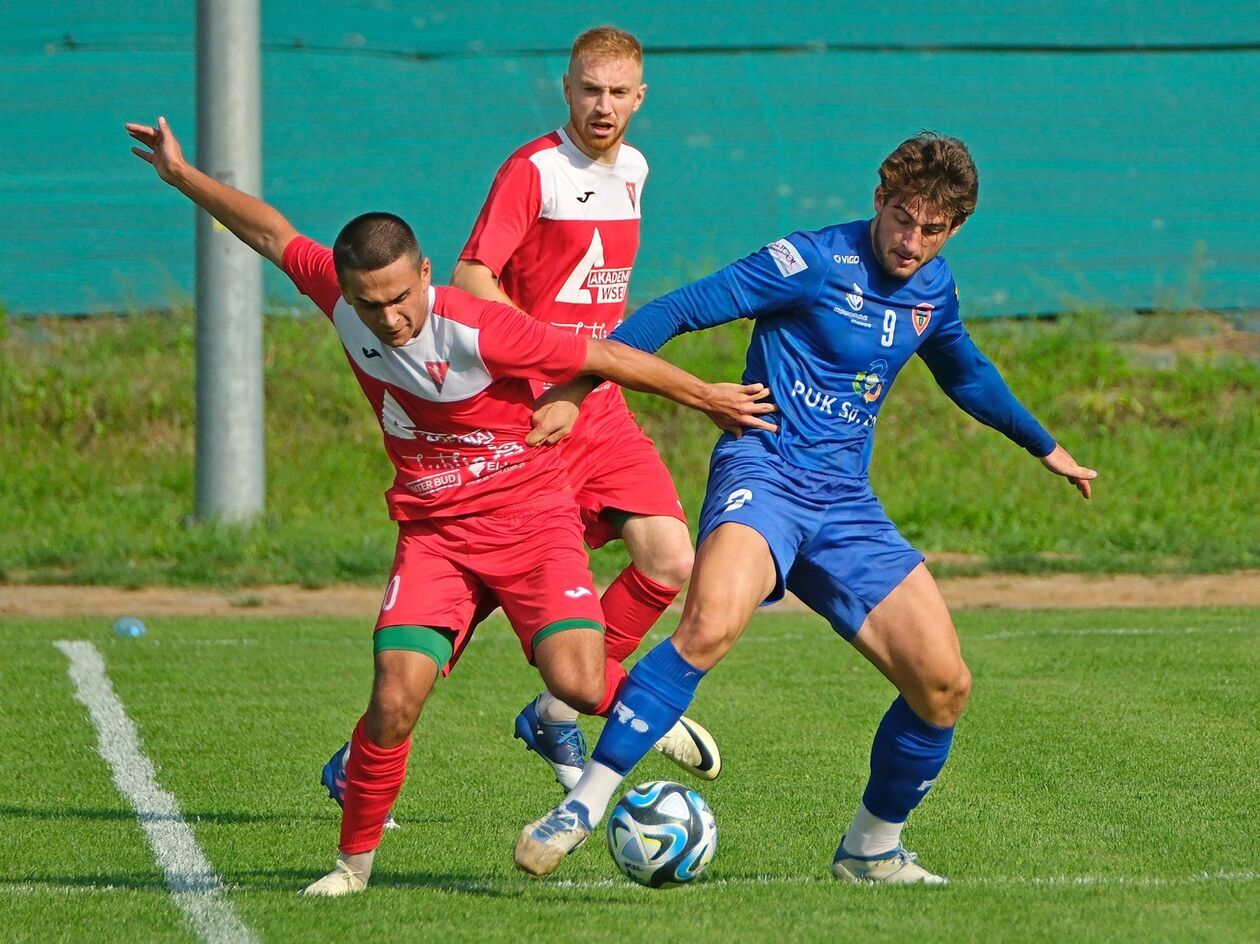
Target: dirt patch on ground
x: 989, y: 591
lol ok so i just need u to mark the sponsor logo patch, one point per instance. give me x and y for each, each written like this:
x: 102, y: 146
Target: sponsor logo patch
x: 814, y: 399
x: 846, y: 260
x: 855, y: 318
x: 786, y: 257
x: 434, y: 483
x: 870, y: 382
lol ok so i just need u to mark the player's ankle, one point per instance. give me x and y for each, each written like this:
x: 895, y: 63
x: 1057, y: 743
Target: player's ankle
x: 360, y: 863
x: 869, y: 836
x: 554, y: 711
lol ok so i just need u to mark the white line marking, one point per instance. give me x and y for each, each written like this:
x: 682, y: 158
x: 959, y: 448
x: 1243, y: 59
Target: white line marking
x: 192, y: 881
x: 824, y: 633
x: 1119, y: 631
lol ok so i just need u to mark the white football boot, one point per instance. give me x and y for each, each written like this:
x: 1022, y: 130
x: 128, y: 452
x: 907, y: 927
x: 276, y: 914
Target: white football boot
x: 692, y: 748
x: 898, y: 867
x: 342, y: 880
x: 545, y: 842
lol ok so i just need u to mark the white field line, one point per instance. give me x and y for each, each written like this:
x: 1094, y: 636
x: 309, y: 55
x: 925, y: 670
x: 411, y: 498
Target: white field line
x: 481, y: 887
x: 1118, y: 631
x: 192, y: 881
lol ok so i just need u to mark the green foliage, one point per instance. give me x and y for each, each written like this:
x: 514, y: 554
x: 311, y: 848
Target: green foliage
x: 96, y: 422
x: 1101, y: 790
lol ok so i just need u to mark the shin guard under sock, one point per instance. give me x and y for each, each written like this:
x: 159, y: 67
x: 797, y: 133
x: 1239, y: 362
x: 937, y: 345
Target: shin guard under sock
x: 653, y: 698
x: 906, y: 756
x: 374, y: 777
x: 632, y: 604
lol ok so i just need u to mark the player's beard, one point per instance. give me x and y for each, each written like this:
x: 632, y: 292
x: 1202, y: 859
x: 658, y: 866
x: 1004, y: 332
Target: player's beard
x: 604, y: 144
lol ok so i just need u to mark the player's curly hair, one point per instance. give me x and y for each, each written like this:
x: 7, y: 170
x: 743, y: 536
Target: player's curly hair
x: 936, y: 169
x: 607, y: 42
x: 372, y: 241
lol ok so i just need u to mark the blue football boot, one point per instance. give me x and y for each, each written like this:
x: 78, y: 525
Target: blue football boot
x: 560, y: 744
x: 333, y: 779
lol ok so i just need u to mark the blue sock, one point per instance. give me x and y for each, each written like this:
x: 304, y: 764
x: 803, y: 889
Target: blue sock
x: 652, y: 699
x: 906, y: 756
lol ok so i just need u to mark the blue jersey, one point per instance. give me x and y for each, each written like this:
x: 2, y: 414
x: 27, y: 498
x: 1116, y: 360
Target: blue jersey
x: 832, y: 332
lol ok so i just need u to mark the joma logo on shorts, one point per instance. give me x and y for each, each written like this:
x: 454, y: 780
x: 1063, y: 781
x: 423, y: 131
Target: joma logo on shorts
x: 737, y: 499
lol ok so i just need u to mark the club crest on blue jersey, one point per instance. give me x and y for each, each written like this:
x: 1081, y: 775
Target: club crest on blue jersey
x: 921, y: 315
x: 854, y: 298
x: 869, y: 383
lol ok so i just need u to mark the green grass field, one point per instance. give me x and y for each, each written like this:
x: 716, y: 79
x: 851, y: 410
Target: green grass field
x: 1103, y: 788
x: 96, y: 428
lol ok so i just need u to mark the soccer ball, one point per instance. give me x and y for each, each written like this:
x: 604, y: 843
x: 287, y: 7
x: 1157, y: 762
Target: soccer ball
x: 661, y: 834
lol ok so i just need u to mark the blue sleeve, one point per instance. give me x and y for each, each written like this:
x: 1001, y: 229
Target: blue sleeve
x: 974, y: 384
x: 784, y: 275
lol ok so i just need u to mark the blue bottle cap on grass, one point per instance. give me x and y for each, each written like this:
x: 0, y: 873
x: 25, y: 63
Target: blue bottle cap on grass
x: 128, y: 626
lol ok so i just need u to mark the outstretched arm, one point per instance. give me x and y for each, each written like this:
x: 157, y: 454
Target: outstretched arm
x: 974, y: 384
x: 732, y: 407
x: 752, y: 287
x: 255, y: 223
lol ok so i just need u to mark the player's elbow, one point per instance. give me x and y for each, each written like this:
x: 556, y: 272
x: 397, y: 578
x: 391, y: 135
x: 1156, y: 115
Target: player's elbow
x: 601, y: 358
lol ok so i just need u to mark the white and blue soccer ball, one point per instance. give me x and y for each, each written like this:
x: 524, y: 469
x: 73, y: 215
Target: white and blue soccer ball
x: 662, y: 834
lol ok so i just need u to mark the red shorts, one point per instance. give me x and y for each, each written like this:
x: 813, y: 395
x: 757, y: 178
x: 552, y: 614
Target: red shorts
x: 614, y: 465
x: 449, y: 573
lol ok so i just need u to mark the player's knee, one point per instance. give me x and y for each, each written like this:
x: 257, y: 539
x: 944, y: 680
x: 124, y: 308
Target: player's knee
x: 703, y: 638
x: 583, y: 692
x: 945, y: 696
x: 671, y: 565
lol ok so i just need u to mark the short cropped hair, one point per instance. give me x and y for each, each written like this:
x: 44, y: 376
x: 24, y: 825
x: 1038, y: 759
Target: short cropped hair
x: 936, y: 169
x: 372, y: 241
x: 607, y: 42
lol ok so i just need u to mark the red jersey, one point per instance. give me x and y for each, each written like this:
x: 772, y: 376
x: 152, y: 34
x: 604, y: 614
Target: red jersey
x: 560, y: 231
x: 454, y: 403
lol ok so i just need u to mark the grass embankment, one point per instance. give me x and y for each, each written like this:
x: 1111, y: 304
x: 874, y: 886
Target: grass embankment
x: 96, y: 446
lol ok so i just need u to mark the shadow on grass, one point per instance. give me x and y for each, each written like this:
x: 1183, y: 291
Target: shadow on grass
x: 126, y: 813
x: 84, y: 883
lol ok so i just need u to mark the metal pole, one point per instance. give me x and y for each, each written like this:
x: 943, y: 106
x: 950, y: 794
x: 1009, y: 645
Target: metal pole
x: 229, y: 476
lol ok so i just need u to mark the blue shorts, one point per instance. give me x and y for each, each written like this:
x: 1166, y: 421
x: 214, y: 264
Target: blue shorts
x: 832, y: 543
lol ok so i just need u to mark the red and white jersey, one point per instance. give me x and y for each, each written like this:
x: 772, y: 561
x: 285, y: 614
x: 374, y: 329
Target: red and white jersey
x: 560, y: 231
x: 454, y: 403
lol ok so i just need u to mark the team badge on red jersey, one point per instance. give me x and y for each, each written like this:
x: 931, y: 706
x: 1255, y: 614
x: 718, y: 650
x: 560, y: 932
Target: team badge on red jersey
x: 631, y: 187
x: 921, y: 315
x: 437, y: 371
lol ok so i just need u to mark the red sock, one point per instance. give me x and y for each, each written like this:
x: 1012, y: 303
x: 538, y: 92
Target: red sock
x: 632, y: 605
x: 374, y: 777
x: 614, y: 676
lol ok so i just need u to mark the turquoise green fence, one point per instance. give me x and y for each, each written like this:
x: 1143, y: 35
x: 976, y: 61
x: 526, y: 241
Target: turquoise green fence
x: 1117, y: 143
